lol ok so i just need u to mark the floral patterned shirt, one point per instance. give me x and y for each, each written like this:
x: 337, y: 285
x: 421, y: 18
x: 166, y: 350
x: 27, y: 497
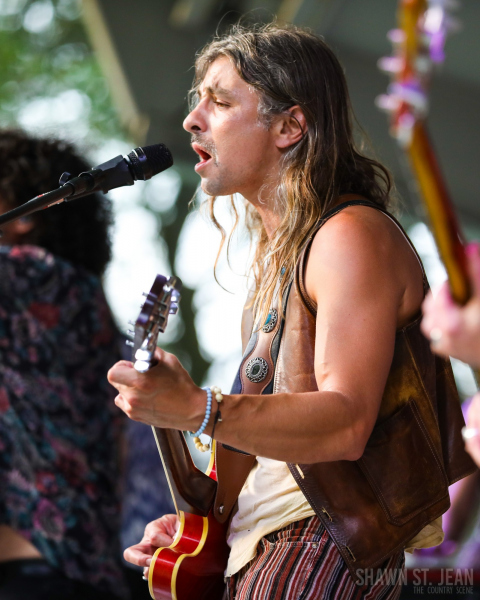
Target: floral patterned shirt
x: 58, y: 423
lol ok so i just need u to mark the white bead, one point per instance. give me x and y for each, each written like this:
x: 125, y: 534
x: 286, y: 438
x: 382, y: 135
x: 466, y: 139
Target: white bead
x: 218, y: 397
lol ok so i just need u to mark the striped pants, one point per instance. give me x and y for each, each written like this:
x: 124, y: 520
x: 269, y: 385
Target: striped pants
x: 301, y: 562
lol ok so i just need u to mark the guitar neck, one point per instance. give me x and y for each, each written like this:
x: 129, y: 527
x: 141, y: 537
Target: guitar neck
x: 443, y: 219
x: 192, y: 491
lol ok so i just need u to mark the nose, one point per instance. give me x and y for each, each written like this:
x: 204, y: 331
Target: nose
x: 194, y: 122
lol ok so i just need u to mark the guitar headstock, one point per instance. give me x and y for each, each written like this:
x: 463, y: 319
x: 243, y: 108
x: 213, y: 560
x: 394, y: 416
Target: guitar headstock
x: 418, y: 46
x: 161, y: 301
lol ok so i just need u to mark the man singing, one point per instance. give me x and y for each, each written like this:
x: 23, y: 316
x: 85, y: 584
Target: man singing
x: 342, y: 432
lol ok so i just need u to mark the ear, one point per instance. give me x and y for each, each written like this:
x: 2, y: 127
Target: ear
x: 290, y: 127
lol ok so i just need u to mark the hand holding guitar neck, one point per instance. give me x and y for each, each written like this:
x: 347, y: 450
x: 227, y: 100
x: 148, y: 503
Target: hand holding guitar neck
x: 454, y: 330
x: 189, y: 563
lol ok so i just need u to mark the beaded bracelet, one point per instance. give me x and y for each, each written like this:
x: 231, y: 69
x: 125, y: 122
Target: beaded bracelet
x: 218, y: 417
x: 207, y: 414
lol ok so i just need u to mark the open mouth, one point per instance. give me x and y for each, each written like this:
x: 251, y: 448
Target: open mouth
x: 203, y: 154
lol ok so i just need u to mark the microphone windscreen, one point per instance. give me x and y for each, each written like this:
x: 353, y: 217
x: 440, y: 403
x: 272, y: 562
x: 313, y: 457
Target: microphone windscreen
x: 150, y: 160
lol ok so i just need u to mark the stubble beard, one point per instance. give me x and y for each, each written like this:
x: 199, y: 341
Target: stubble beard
x: 216, y: 186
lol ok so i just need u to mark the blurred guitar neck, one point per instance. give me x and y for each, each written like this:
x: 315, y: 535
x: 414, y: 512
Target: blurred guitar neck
x: 443, y: 220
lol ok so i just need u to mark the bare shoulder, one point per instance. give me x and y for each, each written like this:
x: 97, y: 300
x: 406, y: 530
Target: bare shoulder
x: 358, y: 234
x: 361, y: 246
x: 363, y: 223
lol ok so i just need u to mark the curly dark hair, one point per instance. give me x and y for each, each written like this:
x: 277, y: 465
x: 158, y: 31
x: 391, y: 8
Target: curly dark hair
x: 77, y: 231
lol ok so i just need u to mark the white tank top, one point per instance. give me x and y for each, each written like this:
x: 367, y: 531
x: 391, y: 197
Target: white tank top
x: 270, y: 500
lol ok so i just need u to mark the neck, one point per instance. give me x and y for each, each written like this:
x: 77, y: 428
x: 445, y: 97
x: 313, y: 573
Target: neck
x: 270, y: 220
x: 264, y: 201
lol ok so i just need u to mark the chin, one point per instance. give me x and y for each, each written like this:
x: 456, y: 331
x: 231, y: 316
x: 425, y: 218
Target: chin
x: 213, y: 188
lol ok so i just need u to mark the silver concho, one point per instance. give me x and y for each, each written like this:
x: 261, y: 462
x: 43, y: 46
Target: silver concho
x: 271, y: 321
x: 256, y: 369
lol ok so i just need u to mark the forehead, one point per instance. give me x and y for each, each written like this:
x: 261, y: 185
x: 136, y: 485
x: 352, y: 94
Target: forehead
x: 222, y: 76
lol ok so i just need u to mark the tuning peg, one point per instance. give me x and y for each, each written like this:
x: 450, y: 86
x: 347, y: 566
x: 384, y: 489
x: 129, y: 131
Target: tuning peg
x: 411, y: 93
x: 130, y: 332
x: 396, y: 36
x: 388, y: 102
x: 129, y: 343
x: 143, y: 355
x: 141, y: 366
x: 391, y: 64
x: 131, y: 323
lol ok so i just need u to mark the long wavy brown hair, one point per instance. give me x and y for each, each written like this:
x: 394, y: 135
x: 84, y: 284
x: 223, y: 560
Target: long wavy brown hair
x: 288, y: 66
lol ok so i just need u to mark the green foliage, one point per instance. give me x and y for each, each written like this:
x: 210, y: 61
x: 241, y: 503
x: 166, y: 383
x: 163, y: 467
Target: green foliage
x: 44, y: 52
x: 51, y: 83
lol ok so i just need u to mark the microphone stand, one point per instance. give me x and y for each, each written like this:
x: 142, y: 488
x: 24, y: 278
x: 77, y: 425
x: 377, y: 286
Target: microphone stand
x: 65, y: 192
x: 107, y: 176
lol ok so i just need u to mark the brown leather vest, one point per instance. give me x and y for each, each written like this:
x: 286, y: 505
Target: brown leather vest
x: 374, y: 506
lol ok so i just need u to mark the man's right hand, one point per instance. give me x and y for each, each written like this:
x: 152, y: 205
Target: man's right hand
x: 158, y: 534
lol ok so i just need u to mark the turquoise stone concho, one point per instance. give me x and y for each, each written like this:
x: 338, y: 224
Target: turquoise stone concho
x: 256, y: 369
x: 271, y: 321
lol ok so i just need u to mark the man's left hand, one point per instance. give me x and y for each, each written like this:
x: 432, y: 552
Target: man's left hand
x: 165, y: 396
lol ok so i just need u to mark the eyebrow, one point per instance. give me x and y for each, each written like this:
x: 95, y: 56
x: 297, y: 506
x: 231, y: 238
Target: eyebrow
x: 215, y: 90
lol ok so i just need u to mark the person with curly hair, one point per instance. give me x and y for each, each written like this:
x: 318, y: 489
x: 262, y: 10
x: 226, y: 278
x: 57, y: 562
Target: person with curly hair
x: 59, y: 432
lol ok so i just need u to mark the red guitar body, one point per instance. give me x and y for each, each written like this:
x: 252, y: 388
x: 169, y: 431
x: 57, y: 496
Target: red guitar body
x: 193, y: 566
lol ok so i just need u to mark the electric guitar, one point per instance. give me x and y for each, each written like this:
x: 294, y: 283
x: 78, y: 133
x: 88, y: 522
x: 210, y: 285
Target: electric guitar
x: 194, y: 564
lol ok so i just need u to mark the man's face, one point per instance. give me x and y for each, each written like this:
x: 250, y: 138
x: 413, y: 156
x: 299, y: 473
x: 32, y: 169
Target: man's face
x: 237, y: 152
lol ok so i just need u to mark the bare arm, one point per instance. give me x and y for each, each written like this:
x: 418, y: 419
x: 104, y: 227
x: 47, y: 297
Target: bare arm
x: 357, y: 276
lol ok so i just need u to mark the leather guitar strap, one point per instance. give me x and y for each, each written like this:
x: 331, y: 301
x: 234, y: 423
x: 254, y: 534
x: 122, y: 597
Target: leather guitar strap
x: 255, y: 376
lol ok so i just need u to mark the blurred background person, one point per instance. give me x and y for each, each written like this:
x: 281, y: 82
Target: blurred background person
x: 59, y: 428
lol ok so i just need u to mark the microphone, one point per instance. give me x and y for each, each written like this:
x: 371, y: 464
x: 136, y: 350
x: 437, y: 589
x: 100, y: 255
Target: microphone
x: 139, y: 164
